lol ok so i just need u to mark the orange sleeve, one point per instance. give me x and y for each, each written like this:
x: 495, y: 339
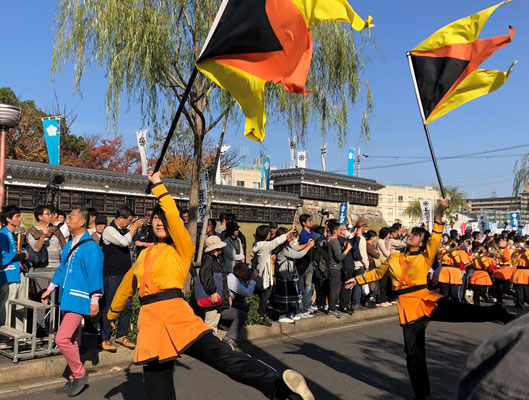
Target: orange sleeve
x: 181, y: 239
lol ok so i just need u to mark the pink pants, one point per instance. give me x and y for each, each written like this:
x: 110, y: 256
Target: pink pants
x: 66, y: 341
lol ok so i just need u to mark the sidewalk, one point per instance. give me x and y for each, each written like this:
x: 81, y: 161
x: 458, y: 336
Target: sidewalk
x: 54, y: 366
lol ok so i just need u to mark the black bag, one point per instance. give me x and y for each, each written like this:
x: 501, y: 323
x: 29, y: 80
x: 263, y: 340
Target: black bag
x: 36, y: 259
x: 322, y: 261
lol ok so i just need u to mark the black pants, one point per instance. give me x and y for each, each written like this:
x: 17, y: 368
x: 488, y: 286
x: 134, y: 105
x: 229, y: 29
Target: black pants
x: 345, y: 294
x: 522, y: 296
x: 501, y: 286
x: 321, y: 287
x: 479, y: 291
x: 335, y: 282
x: 264, y: 296
x: 449, y: 290
x: 382, y: 289
x: 414, y: 336
x: 214, y: 352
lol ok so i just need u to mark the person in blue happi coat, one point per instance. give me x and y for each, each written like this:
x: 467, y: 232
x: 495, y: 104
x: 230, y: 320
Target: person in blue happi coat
x: 80, y: 282
x: 12, y: 280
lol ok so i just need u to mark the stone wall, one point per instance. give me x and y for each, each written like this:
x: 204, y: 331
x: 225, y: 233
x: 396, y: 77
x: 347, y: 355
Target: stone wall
x: 311, y: 207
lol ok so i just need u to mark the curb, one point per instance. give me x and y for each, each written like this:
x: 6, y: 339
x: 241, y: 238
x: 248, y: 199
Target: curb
x: 54, y: 366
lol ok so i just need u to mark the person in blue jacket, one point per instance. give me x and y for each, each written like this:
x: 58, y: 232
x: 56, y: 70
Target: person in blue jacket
x: 80, y: 282
x: 11, y: 280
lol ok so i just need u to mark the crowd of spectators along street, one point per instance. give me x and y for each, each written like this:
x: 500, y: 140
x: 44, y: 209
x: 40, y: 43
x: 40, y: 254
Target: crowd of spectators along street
x: 295, y: 274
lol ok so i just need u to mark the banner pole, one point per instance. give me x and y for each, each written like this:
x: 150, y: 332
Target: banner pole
x: 425, y: 125
x: 210, y: 194
x: 174, y: 123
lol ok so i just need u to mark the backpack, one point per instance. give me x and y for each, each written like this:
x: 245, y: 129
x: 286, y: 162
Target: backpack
x: 321, y: 260
x: 36, y: 259
x: 355, y: 250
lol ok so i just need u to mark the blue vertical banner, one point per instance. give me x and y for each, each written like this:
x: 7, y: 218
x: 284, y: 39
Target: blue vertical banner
x: 52, y: 135
x: 342, y: 218
x: 515, y: 221
x: 265, y: 173
x: 351, y: 162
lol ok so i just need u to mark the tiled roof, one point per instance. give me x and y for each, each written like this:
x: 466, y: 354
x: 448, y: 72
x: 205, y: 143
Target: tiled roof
x: 327, y: 177
x: 26, y: 169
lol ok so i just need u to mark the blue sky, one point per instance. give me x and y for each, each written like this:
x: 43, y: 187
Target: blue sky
x: 491, y: 122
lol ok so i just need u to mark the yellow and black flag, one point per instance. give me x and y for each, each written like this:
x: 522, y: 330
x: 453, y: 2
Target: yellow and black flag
x: 256, y: 41
x: 445, y: 65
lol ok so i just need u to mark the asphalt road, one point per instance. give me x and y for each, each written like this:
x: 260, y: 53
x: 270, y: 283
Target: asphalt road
x: 363, y: 361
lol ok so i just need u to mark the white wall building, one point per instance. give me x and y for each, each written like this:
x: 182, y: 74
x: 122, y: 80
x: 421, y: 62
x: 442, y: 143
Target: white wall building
x: 394, y: 199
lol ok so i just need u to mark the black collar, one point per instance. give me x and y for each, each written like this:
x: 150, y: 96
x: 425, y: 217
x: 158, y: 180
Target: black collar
x: 412, y: 253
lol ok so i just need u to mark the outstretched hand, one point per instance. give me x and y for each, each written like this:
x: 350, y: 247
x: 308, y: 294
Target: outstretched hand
x: 351, y: 283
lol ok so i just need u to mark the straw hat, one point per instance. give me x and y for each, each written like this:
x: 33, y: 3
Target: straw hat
x: 214, y: 243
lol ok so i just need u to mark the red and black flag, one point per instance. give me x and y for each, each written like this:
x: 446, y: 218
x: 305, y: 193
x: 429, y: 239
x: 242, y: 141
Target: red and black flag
x: 445, y: 65
x: 256, y: 41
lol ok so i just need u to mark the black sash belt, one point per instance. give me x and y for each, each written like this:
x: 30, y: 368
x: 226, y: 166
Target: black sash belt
x: 410, y: 289
x: 451, y: 266
x: 161, y: 296
x: 522, y: 267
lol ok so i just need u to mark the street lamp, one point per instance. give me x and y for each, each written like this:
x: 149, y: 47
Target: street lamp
x: 9, y: 117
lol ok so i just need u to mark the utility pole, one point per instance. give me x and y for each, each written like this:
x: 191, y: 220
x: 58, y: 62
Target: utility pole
x: 358, y: 159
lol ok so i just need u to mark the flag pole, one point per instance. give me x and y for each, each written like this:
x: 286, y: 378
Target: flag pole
x: 174, y: 123
x: 425, y: 125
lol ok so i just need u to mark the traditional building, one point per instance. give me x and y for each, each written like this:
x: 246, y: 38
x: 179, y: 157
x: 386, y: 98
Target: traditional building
x: 29, y: 184
x: 318, y: 189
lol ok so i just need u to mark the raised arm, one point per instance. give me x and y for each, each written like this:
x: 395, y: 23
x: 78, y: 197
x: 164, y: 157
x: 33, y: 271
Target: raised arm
x: 181, y: 239
x: 432, y: 246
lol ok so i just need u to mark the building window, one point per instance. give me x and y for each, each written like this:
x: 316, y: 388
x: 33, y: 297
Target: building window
x: 410, y: 198
x: 419, y: 198
x: 400, y: 199
x: 256, y: 185
x: 240, y: 183
x: 390, y: 197
x: 390, y: 211
x: 400, y: 211
x: 131, y: 203
x: 390, y: 222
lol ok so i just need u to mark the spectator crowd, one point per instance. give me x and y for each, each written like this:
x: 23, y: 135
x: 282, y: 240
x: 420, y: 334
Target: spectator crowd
x: 294, y: 272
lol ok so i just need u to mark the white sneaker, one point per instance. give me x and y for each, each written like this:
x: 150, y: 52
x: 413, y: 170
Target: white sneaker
x: 297, y: 384
x: 294, y: 317
x: 313, y: 308
x: 304, y: 315
x: 286, y: 319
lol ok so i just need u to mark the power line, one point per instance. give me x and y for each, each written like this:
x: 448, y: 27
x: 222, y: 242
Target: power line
x: 468, y: 155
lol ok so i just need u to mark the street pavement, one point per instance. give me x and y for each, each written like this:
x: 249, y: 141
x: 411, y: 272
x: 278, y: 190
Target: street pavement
x: 360, y: 361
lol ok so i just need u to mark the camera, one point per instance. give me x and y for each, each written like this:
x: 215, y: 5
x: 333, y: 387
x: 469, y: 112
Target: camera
x: 324, y: 212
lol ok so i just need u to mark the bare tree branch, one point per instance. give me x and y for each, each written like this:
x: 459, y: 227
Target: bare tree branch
x: 214, y: 123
